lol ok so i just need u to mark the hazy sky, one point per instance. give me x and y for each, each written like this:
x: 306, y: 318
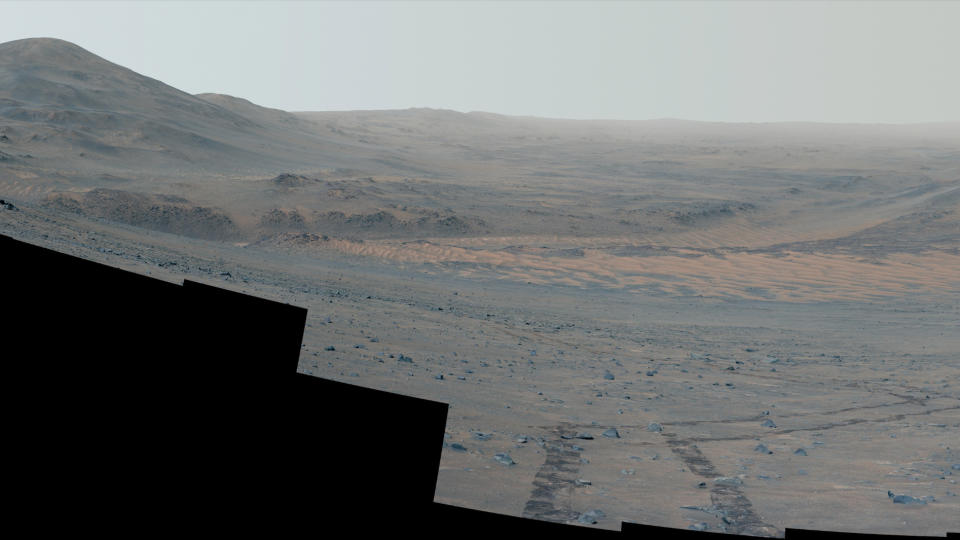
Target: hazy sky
x: 720, y: 61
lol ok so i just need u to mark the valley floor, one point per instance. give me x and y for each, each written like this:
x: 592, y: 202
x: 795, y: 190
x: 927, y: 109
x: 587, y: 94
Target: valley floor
x: 679, y: 383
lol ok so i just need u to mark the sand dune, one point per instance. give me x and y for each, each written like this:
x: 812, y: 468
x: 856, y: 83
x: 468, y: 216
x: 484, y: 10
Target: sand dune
x: 785, y: 276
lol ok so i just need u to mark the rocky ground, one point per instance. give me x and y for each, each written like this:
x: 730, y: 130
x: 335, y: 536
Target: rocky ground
x: 726, y: 327
x: 595, y: 405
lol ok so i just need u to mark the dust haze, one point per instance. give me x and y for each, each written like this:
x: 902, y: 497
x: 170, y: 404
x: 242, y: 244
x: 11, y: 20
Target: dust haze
x: 718, y: 326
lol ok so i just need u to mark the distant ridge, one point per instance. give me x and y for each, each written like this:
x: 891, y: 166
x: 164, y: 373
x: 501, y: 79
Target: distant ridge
x: 71, y: 110
x: 71, y: 120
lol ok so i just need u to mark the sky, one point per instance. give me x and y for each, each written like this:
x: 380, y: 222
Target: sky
x: 865, y: 62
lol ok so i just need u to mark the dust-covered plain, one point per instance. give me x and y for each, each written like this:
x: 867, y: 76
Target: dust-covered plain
x: 726, y: 327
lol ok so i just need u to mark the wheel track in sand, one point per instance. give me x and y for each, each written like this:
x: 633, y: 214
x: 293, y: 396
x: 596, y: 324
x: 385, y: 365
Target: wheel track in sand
x: 555, y: 480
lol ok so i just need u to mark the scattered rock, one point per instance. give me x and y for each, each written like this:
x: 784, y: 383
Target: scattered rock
x: 608, y: 376
x: 907, y: 499
x: 481, y: 436
x: 404, y: 358
x: 591, y: 517
x: 584, y: 436
x: 800, y: 452
x: 699, y: 526
x: 582, y: 482
x: 653, y: 426
x: 612, y: 433
x: 330, y: 348
x: 458, y: 447
x: 762, y: 448
x: 504, y: 459
x: 769, y: 423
